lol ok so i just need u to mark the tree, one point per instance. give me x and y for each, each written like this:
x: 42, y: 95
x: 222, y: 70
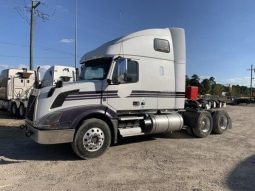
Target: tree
x: 212, y: 80
x: 205, y: 86
x: 194, y: 81
x: 217, y: 89
x: 195, y: 77
x: 187, y: 80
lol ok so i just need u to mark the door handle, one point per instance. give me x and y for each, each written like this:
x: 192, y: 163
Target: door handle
x: 136, y: 103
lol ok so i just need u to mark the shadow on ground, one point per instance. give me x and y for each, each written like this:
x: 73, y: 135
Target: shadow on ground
x: 14, y: 145
x: 242, y: 177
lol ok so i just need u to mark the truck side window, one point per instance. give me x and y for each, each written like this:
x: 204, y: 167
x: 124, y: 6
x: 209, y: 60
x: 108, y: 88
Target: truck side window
x: 161, y: 45
x: 125, y: 71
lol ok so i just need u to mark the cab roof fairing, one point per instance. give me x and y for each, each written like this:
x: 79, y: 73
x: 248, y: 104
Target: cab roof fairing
x: 116, y: 46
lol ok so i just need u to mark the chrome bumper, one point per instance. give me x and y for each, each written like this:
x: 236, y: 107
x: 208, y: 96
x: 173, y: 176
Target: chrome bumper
x: 50, y: 136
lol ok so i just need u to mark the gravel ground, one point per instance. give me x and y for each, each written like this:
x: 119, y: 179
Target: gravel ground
x: 171, y: 162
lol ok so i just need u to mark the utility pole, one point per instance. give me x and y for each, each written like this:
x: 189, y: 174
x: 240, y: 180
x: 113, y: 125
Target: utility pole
x: 252, y: 70
x: 75, y: 48
x: 32, y: 13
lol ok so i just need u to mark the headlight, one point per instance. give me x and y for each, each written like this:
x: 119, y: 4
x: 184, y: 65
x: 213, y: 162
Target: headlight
x: 50, y: 121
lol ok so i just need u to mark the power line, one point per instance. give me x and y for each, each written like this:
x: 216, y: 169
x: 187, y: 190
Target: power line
x: 12, y: 56
x: 56, y: 50
x: 25, y: 3
x: 38, y: 46
x: 21, y: 14
x: 25, y: 57
x: 12, y: 44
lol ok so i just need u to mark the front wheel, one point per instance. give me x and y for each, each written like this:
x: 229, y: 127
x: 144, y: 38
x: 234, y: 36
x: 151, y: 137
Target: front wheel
x: 92, y: 138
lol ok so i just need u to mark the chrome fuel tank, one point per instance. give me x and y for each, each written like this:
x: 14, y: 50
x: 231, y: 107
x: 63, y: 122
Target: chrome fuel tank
x: 166, y: 123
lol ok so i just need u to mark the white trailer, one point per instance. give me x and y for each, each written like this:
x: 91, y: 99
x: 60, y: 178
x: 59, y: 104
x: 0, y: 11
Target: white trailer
x: 133, y: 85
x: 16, y: 85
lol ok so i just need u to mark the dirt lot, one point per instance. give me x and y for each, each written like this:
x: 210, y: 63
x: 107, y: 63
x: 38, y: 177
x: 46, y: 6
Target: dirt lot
x: 172, y: 162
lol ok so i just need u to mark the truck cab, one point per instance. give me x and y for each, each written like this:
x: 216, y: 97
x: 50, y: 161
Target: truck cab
x: 132, y: 85
x: 50, y: 75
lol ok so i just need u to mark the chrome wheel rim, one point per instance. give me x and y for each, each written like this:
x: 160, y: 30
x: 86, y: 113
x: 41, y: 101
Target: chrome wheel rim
x: 93, y: 139
x: 223, y: 122
x: 205, y: 124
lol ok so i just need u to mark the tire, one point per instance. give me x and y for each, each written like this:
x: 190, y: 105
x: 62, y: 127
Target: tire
x: 203, y: 125
x: 91, y: 139
x: 14, y: 109
x: 221, y: 122
x: 22, y: 111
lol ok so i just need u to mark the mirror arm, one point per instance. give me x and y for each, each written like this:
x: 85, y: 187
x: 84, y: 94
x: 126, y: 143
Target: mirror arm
x: 109, y: 81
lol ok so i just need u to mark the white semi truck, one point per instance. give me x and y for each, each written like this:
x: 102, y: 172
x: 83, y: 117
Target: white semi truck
x: 15, y: 88
x: 16, y: 85
x: 133, y: 85
x: 50, y: 75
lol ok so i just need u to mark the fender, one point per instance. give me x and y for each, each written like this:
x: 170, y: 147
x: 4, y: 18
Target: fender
x: 76, y: 115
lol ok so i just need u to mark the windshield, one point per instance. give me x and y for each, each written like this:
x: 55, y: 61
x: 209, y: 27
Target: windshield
x: 96, y: 69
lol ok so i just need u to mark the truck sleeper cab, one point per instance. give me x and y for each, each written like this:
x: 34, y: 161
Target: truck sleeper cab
x: 133, y: 85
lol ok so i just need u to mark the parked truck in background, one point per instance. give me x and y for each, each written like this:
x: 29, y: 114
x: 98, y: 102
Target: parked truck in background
x: 50, y: 75
x: 16, y: 85
x: 15, y: 88
x: 133, y: 85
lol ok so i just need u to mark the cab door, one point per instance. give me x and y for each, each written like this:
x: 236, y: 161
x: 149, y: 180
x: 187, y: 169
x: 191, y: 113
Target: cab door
x: 124, y: 80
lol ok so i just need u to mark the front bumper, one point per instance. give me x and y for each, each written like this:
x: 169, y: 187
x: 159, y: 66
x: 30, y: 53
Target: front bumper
x: 50, y: 136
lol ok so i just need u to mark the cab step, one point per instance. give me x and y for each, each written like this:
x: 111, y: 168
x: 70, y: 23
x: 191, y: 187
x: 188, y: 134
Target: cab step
x: 127, y: 132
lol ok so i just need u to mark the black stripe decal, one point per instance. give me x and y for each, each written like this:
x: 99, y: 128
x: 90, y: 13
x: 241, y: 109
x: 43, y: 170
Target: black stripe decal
x: 98, y: 97
x: 156, y: 96
x: 61, y: 98
x: 141, y: 93
x: 114, y: 94
x: 144, y: 91
x: 97, y: 92
x: 92, y: 95
x: 84, y: 98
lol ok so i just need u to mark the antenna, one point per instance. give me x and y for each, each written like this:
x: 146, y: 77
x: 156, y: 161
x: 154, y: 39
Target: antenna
x: 121, y: 22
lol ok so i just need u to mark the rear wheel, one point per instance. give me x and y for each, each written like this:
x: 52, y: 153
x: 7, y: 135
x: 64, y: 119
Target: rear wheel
x: 92, y: 138
x: 14, y: 109
x: 22, y: 110
x: 203, y: 124
x: 221, y: 122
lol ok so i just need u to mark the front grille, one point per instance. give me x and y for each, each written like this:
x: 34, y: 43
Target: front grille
x: 31, y: 107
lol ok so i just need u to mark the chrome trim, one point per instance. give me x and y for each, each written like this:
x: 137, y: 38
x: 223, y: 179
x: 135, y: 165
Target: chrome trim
x: 51, y: 136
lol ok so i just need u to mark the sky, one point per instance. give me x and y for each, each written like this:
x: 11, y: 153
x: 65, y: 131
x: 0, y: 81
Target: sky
x: 220, y: 34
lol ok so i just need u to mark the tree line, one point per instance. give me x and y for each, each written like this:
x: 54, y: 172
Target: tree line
x: 209, y: 86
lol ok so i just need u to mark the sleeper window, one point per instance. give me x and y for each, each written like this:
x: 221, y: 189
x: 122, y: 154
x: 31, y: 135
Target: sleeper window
x: 161, y: 45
